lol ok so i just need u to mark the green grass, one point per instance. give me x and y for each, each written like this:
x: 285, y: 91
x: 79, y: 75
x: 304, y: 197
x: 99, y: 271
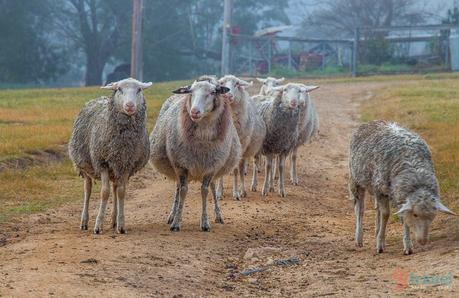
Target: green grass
x: 429, y: 106
x: 40, y: 119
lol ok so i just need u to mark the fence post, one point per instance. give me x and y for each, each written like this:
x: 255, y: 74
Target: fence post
x: 225, y: 67
x: 290, y: 55
x: 251, y: 58
x: 269, y: 55
x: 355, y: 52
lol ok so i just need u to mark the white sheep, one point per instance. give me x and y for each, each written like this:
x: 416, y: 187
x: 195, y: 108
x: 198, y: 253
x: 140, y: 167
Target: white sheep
x: 195, y: 139
x: 250, y: 127
x: 109, y: 142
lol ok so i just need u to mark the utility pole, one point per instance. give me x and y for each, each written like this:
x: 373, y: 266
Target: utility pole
x: 136, y: 45
x: 226, y: 36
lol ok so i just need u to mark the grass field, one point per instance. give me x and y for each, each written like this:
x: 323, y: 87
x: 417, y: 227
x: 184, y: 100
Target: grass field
x: 40, y: 119
x: 430, y: 106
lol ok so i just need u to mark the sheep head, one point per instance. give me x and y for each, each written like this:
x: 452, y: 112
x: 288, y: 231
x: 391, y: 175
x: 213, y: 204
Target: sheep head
x: 128, y: 95
x: 202, y: 99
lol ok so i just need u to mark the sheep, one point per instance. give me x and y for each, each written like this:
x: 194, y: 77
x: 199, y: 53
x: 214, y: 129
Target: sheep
x: 395, y: 165
x: 250, y: 127
x: 281, y: 115
x: 109, y: 142
x: 268, y: 84
x: 308, y: 126
x: 195, y: 139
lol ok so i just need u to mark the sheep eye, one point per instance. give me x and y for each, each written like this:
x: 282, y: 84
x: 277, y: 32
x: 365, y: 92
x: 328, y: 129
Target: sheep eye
x: 139, y: 90
x: 415, y: 215
x: 120, y: 90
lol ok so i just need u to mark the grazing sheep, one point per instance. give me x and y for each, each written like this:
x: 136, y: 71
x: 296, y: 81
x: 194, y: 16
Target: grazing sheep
x: 110, y: 142
x: 395, y: 165
x: 195, y: 139
x: 281, y: 118
x: 250, y: 128
x: 308, y: 125
x: 268, y: 84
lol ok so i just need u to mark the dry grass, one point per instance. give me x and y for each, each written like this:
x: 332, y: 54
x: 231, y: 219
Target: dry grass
x: 40, y: 119
x: 429, y: 106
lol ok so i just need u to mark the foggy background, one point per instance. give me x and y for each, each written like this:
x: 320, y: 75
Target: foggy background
x: 83, y: 42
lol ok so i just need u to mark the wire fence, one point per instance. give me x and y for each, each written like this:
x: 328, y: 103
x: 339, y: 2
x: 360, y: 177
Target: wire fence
x: 387, y: 50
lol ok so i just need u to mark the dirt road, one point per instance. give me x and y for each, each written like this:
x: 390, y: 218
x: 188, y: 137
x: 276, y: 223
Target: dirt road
x: 304, y: 243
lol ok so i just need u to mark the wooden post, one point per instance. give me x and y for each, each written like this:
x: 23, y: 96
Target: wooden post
x: 270, y: 48
x: 251, y: 58
x: 290, y: 55
x: 136, y: 44
x: 228, y: 8
x: 355, y: 52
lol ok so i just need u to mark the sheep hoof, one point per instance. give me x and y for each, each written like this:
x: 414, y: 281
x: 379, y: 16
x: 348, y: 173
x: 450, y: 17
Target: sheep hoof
x: 283, y: 194
x: 84, y: 227
x: 97, y: 231
x: 295, y: 182
x: 359, y: 244
x: 243, y: 194
x: 408, y: 251
x: 114, y: 224
x: 380, y: 250
x: 253, y: 188
x: 205, y: 228
x: 219, y: 220
x: 121, y: 231
x: 175, y: 229
x: 271, y: 189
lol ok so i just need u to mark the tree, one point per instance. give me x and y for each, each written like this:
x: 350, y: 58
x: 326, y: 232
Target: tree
x: 96, y: 27
x: 341, y: 17
x: 29, y: 53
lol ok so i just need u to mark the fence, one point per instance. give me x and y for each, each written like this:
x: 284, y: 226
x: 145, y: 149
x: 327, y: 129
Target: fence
x: 381, y: 50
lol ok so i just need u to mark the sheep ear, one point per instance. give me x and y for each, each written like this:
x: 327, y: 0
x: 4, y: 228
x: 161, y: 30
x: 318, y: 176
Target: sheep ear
x: 311, y: 88
x: 443, y: 208
x: 280, y: 80
x: 111, y: 86
x: 145, y: 85
x: 405, y: 207
x: 182, y: 90
x: 221, y: 89
x: 261, y: 80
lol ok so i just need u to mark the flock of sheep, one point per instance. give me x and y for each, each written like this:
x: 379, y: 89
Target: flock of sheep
x: 214, y: 127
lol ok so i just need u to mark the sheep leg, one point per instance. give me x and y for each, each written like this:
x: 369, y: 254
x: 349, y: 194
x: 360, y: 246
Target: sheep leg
x: 358, y: 195
x: 378, y: 218
x: 235, y: 191
x: 272, y: 173
x: 220, y: 188
x: 275, y: 170
x: 384, y: 212
x: 183, y: 182
x: 242, y: 168
x: 205, y: 225
x: 254, y: 174
x: 268, y: 174
x: 175, y: 204
x: 218, y: 211
x: 115, y: 205
x: 104, y: 194
x: 87, y: 195
x: 121, y: 195
x: 407, y: 244
x: 293, y: 173
x: 281, y: 163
